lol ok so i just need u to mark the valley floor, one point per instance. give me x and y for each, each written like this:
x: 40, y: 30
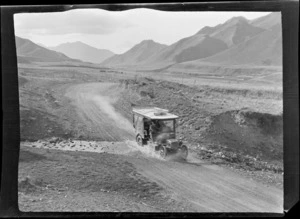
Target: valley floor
x: 78, y: 142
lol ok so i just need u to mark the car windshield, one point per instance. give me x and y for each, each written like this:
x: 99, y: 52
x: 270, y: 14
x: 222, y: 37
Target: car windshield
x: 167, y: 125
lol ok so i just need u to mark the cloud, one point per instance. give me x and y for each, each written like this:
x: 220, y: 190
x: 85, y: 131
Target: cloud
x: 117, y: 30
x: 70, y: 22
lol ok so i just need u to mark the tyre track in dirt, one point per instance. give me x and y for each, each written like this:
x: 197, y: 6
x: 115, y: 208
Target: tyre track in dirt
x: 211, y: 188
x: 208, y: 188
x: 93, y: 104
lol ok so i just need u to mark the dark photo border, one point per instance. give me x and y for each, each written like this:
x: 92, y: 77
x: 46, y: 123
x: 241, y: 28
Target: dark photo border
x: 10, y: 101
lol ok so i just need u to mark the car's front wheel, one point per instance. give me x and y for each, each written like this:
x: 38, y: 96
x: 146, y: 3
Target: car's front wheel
x: 184, y: 151
x: 139, y: 140
x: 163, y: 151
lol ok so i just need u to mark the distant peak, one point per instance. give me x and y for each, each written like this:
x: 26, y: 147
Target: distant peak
x: 205, y: 30
x: 79, y: 42
x: 237, y: 19
x: 74, y: 42
x: 148, y: 41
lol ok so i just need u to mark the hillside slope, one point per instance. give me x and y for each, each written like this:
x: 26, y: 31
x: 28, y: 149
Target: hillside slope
x: 83, y: 52
x: 27, y: 51
x: 206, y: 43
x: 237, y: 41
x: 234, y: 31
x: 263, y: 49
x: 136, y: 54
x: 268, y: 21
x: 190, y: 48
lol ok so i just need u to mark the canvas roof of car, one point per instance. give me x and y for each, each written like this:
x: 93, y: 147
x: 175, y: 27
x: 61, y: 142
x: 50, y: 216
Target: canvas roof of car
x: 154, y: 113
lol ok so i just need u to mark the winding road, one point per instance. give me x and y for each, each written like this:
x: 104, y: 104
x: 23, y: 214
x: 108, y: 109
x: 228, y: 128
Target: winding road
x: 206, y: 187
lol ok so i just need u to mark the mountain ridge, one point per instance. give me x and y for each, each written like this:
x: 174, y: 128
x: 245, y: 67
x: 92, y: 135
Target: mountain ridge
x: 28, y: 51
x: 136, y: 55
x: 264, y: 49
x: 207, y: 42
x: 83, y: 51
x: 236, y: 41
x: 267, y: 21
x: 188, y: 49
x: 233, y: 31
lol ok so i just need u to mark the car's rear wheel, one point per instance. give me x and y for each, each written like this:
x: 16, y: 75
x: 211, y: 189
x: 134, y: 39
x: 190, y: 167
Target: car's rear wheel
x: 163, y: 151
x: 139, y: 140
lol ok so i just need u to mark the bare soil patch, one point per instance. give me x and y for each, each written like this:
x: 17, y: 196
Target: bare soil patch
x: 50, y: 181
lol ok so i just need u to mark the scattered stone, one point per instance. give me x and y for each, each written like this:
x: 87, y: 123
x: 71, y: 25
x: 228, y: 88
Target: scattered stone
x: 54, y: 140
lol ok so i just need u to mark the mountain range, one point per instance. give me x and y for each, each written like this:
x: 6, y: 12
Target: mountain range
x: 267, y: 21
x: 136, y: 54
x: 237, y: 41
x: 263, y: 49
x: 83, y: 52
x: 27, y: 51
x: 233, y: 31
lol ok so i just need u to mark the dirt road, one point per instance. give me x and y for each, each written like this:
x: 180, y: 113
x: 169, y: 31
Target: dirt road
x: 208, y: 188
x: 93, y: 103
x: 211, y: 188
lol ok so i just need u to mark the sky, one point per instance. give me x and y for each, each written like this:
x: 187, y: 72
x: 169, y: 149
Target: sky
x: 117, y: 31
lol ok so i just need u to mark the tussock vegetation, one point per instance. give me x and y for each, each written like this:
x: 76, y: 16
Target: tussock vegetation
x: 275, y: 95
